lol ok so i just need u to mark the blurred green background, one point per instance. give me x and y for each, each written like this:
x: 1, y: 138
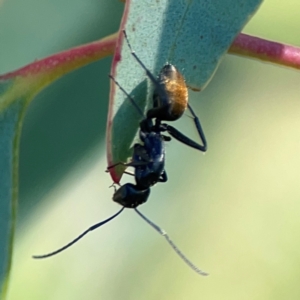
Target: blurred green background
x: 233, y: 211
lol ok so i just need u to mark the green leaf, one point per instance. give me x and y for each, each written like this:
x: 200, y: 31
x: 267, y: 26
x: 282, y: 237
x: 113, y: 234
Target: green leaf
x: 192, y: 35
x: 10, y: 121
x: 17, y: 89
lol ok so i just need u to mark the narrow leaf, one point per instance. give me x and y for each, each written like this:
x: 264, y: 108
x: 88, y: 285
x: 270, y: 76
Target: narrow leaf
x: 192, y: 35
x: 17, y: 89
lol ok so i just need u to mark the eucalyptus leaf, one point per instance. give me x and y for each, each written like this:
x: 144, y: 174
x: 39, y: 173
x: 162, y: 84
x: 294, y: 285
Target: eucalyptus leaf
x: 17, y: 89
x: 10, y: 126
x: 192, y: 35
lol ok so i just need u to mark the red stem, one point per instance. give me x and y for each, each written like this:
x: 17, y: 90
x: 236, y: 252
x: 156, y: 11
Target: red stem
x: 68, y: 60
x: 250, y: 46
x: 244, y: 45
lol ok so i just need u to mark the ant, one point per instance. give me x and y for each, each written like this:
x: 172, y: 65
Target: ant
x: 148, y: 158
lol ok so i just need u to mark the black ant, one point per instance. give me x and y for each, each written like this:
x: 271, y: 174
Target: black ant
x: 148, y: 159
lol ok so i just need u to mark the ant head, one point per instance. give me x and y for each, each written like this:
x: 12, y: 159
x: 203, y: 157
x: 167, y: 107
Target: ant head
x: 129, y: 196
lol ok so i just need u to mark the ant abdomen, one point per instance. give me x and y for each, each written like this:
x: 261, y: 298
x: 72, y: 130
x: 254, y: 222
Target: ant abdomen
x: 170, y: 97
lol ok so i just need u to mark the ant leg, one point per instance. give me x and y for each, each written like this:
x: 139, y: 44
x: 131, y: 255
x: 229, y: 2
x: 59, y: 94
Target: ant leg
x: 184, y: 139
x: 138, y: 151
x: 117, y: 164
x: 199, y: 127
x: 127, y: 95
x: 131, y: 164
x: 129, y: 173
x: 148, y: 73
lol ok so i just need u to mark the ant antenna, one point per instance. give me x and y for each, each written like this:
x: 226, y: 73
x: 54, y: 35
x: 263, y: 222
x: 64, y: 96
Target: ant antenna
x: 79, y: 237
x: 128, y: 96
x: 174, y: 247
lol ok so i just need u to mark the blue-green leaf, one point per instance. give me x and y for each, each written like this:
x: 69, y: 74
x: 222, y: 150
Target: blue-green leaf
x: 10, y: 125
x: 17, y: 89
x: 192, y: 35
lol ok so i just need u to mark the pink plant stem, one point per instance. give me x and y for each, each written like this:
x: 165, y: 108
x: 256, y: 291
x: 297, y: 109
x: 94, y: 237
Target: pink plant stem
x: 250, y: 46
x: 244, y: 45
x: 61, y: 63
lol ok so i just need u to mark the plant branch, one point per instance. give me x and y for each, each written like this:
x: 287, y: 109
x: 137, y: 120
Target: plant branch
x: 281, y: 54
x: 58, y: 64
